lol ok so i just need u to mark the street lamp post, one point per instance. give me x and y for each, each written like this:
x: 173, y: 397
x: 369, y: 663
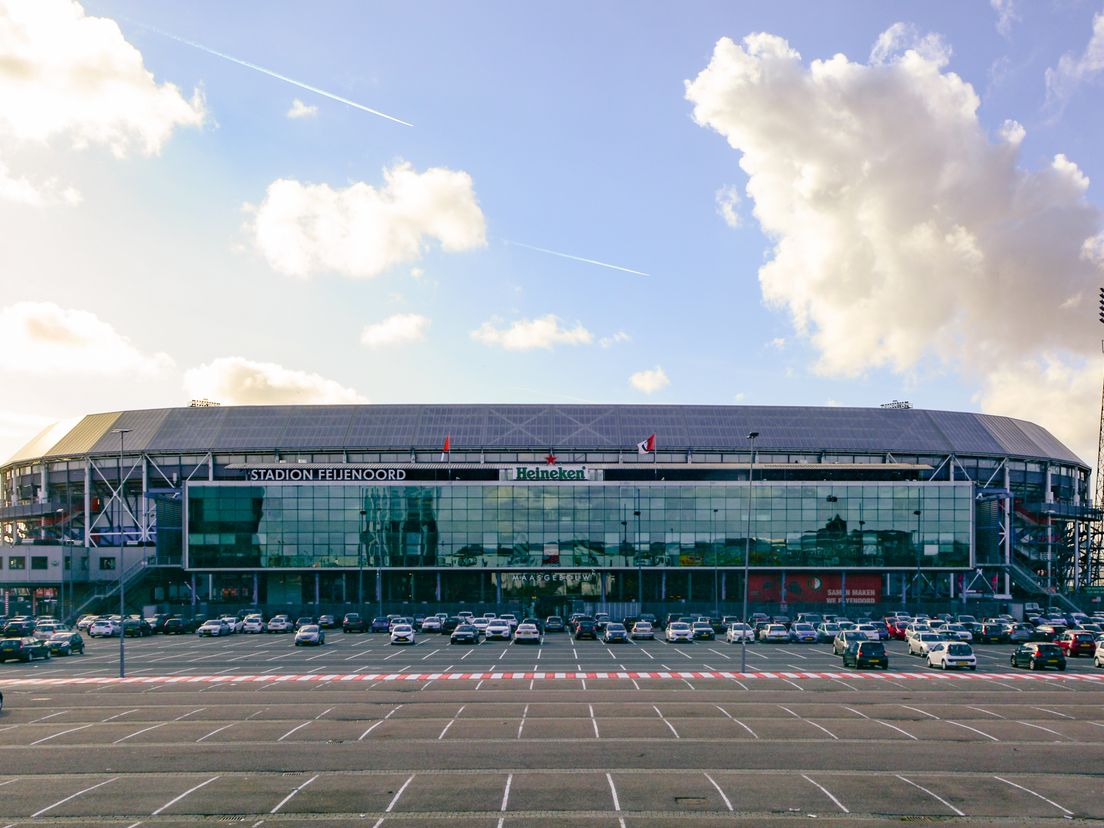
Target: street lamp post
x: 61, y: 548
x: 636, y: 551
x: 747, y: 554
x: 362, y: 529
x: 122, y: 432
x: 716, y: 571
x: 916, y: 580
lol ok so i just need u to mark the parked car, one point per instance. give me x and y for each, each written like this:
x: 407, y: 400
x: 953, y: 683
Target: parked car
x: 774, y: 633
x: 1038, y: 656
x: 137, y: 628
x: 380, y: 624
x: 702, y: 631
x: 498, y: 630
x: 310, y: 635
x: 952, y: 655
x: 958, y: 631
x: 586, y: 628
x: 214, y: 627
x: 553, y: 624
x: 402, y: 634
x: 449, y: 625
x: 739, y: 631
x: 303, y: 621
x: 326, y: 622
x: 1098, y: 656
x: 866, y: 653
x: 843, y: 640
x: 234, y: 623
x: 464, y: 634
x: 431, y: 624
x: 1074, y: 643
x: 678, y: 631
x: 919, y: 645
x: 615, y: 632
x: 174, y: 626
x: 642, y: 630
x: 25, y: 648
x: 527, y: 634
x: 279, y: 624
x: 991, y: 633
x: 803, y: 632
x: 66, y: 643
x: 103, y: 628
x: 253, y: 624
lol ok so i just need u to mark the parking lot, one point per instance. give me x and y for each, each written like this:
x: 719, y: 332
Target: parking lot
x: 252, y: 728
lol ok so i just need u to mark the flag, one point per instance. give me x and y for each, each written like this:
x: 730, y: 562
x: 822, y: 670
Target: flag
x: 646, y: 446
x: 445, y: 449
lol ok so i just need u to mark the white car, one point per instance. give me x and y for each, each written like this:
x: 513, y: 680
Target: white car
x: 216, y: 626
x: 310, y: 634
x: 952, y: 655
x: 233, y: 622
x: 1098, y: 656
x: 679, y: 631
x: 509, y: 618
x: 921, y: 643
x: 431, y: 624
x: 870, y: 631
x: 739, y: 632
x: 958, y: 631
x: 498, y: 629
x: 402, y: 634
x: 253, y: 624
x: 279, y: 624
x: 103, y: 628
x: 527, y: 634
x: 776, y: 633
x: 642, y: 629
x: 480, y: 624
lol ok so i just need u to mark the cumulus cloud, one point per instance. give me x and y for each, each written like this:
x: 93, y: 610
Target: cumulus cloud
x: 65, y: 74
x: 902, y: 233
x: 240, y: 381
x: 395, y: 330
x: 1062, y: 80
x: 614, y: 339
x: 650, y: 381
x: 43, y: 338
x: 529, y: 334
x: 23, y: 190
x: 301, y: 110
x: 728, y: 206
x: 361, y: 231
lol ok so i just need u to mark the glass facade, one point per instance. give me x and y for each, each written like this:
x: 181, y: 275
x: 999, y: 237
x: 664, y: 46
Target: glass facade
x: 578, y: 526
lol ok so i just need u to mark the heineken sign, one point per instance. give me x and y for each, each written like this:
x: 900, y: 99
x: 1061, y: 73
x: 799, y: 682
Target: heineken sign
x: 550, y: 473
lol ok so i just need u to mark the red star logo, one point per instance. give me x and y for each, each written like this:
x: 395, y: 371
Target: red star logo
x: 550, y: 459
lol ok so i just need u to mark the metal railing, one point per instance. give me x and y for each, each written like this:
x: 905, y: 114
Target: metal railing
x: 110, y: 589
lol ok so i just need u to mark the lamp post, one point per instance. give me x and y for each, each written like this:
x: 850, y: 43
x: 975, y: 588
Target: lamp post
x: 122, y: 432
x: 363, y: 530
x: 747, y: 554
x: 61, y: 548
x: 916, y: 580
x: 716, y: 571
x: 636, y: 551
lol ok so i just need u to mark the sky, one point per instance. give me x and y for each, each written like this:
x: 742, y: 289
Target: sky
x: 760, y: 203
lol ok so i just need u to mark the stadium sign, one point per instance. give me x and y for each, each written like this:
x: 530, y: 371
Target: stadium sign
x: 549, y: 473
x: 333, y: 474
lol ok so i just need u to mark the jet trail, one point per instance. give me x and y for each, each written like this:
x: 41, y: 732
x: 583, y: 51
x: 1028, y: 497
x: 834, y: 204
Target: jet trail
x: 578, y: 258
x: 272, y: 74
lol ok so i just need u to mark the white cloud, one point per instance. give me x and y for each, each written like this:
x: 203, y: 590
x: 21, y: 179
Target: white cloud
x: 240, y: 381
x: 301, y: 110
x: 1062, y: 394
x: 529, y: 334
x: 614, y: 339
x: 1062, y: 80
x: 900, y: 39
x: 23, y: 190
x: 42, y: 338
x: 728, y: 205
x: 1006, y: 15
x: 395, y: 330
x: 65, y: 74
x: 778, y: 342
x: 361, y: 231
x: 650, y: 381
x: 901, y: 231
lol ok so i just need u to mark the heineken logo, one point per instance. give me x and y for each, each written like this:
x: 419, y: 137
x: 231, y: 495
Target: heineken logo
x: 557, y: 473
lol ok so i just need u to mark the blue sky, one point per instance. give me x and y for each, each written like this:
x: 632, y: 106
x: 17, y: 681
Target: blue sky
x: 567, y: 127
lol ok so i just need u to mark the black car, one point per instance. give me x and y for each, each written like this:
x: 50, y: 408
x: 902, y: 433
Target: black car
x: 137, y: 628
x: 464, y: 634
x: 327, y: 622
x: 17, y: 629
x: 65, y: 643
x: 702, y: 631
x: 449, y: 625
x: 990, y: 634
x: 23, y: 649
x: 353, y: 622
x: 536, y: 622
x: 861, y: 654
x: 553, y: 624
x: 304, y: 621
x: 1038, y: 656
x: 586, y: 628
x: 174, y: 626
x: 380, y: 624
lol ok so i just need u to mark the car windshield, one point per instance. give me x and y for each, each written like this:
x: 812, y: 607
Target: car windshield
x: 465, y: 628
x: 615, y: 627
x: 644, y: 625
x: 1049, y: 649
x: 960, y: 649
x: 871, y: 649
x: 679, y: 625
x: 59, y: 637
x: 802, y: 627
x: 402, y: 628
x: 308, y: 628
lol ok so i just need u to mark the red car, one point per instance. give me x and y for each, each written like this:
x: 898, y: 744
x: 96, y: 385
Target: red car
x: 897, y: 630
x: 1077, y: 642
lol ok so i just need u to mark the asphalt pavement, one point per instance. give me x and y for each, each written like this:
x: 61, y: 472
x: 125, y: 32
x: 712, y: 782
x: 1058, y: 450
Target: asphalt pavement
x: 254, y: 730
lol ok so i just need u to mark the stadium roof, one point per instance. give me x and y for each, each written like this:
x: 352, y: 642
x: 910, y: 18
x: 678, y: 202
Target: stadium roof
x: 560, y: 427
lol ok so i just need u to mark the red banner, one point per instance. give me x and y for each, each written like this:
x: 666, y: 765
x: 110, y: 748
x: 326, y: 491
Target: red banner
x: 815, y: 588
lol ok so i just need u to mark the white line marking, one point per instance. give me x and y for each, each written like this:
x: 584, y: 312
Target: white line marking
x: 213, y: 732
x: 979, y: 732
x: 1055, y: 712
x: 664, y: 720
x: 369, y: 730
x: 298, y: 727
x: 983, y: 710
x: 138, y: 733
x: 921, y: 712
x: 1028, y: 790
x: 929, y: 793
x: 593, y: 721
x: 524, y: 713
x: 399, y: 793
x: 323, y: 713
x: 186, y: 715
x: 856, y: 712
x: 899, y: 730
x: 44, y: 718
x: 826, y: 730
x: 1040, y: 727
x: 70, y: 730
x: 72, y: 796
x: 506, y: 793
x: 741, y: 724
x: 120, y: 715
x: 722, y: 793
x: 172, y: 802
x: 827, y: 793
x: 613, y: 790
x: 287, y: 798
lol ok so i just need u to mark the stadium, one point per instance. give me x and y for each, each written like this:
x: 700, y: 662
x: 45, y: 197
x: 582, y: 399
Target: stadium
x: 543, y: 508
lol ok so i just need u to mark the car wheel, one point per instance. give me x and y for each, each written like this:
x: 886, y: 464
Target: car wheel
x: 973, y: 667
x: 1062, y: 668
x: 930, y: 663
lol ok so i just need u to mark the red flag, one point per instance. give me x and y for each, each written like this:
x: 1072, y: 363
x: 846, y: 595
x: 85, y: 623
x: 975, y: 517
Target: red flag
x: 646, y: 446
x: 445, y: 450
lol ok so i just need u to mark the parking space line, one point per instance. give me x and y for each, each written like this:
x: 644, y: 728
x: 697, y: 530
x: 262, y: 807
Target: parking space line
x: 722, y: 793
x: 213, y: 732
x: 506, y: 793
x: 139, y: 732
x: 44, y: 718
x: 1033, y: 793
x: 172, y: 802
x: 119, y: 715
x: 661, y: 716
x: 983, y: 710
x: 593, y: 721
x: 1054, y: 712
x: 856, y: 712
x: 297, y: 727
x: 1040, y: 727
x: 369, y: 730
x: 398, y: 793
x: 899, y: 730
x: 827, y: 793
x: 450, y: 722
x: 323, y: 713
x: 974, y: 729
x: 929, y: 793
x: 54, y: 736
x: 191, y: 713
x: 921, y: 712
x: 524, y: 713
x: 798, y: 686
x: 754, y: 735
x: 613, y: 791
x: 288, y: 798
x: 72, y: 796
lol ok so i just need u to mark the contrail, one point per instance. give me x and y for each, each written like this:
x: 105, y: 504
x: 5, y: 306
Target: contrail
x: 578, y: 258
x: 272, y: 74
